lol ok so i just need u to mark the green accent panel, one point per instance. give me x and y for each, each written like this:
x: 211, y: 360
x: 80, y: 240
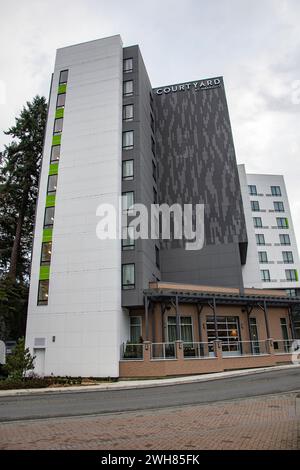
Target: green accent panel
x: 59, y: 113
x: 62, y: 88
x: 287, y: 222
x: 44, y: 273
x: 297, y: 276
x: 47, y: 234
x: 50, y: 200
x: 56, y: 140
x: 53, y: 169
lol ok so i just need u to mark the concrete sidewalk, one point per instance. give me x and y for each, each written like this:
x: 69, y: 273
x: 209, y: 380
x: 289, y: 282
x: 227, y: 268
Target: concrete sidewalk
x: 130, y: 384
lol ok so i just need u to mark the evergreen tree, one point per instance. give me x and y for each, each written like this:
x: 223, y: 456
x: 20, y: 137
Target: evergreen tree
x: 19, y: 175
x: 19, y: 362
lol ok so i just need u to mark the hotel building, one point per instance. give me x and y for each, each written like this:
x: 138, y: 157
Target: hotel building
x: 110, y: 308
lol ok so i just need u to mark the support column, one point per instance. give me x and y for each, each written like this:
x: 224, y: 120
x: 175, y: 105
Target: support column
x: 215, y: 317
x: 146, y: 318
x: 178, y: 332
x: 266, y: 319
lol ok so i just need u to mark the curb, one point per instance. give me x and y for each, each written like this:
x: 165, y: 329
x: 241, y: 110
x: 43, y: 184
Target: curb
x: 136, y: 384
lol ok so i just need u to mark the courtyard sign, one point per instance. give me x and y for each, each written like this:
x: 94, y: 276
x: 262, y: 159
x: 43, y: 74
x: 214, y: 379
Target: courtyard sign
x: 197, y: 86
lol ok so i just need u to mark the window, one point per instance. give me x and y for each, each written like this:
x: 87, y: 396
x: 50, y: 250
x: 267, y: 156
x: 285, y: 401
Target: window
x: 263, y: 256
x: 128, y: 238
x: 49, y: 217
x: 135, y: 329
x: 127, y: 170
x: 252, y: 190
x: 128, y: 276
x: 275, y: 191
x: 52, y: 183
x: 46, y: 252
x: 128, y: 112
x: 58, y: 125
x: 153, y: 145
x: 157, y: 261
x: 287, y: 257
x: 282, y: 222
x: 61, y: 99
x: 128, y: 88
x: 284, y: 330
x: 291, y: 275
x: 127, y: 200
x: 154, y: 196
x: 284, y: 239
x: 255, y: 206
x: 63, y: 77
x: 127, y: 140
x: 278, y: 206
x: 154, y: 170
x: 186, y: 329
x: 260, y: 239
x: 55, y: 153
x: 127, y: 65
x: 257, y: 222
x: 265, y: 275
x: 291, y: 292
x: 43, y: 292
x: 228, y: 332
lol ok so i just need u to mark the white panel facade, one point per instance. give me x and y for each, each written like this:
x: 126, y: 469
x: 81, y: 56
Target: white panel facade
x: 83, y: 322
x: 276, y: 264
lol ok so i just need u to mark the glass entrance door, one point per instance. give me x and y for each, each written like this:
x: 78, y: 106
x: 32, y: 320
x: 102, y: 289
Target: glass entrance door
x: 228, y: 333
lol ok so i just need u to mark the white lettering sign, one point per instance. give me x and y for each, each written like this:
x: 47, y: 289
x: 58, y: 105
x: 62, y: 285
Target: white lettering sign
x: 201, y: 85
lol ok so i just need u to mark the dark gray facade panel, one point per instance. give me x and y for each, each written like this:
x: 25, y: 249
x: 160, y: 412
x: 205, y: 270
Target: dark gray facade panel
x: 197, y: 165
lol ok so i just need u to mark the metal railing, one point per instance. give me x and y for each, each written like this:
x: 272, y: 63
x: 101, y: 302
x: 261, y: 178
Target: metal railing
x: 244, y: 348
x: 198, y: 350
x: 131, y: 351
x: 283, y: 346
x: 163, y: 351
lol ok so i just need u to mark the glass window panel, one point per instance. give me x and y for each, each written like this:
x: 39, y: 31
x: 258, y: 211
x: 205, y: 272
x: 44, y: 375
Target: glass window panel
x: 275, y: 191
x: 128, y: 277
x: 128, y: 112
x: 127, y: 65
x: 278, y: 206
x: 255, y: 206
x: 55, y: 153
x: 257, y: 221
x: 128, y: 88
x: 43, y: 292
x: 128, y: 241
x: 49, y: 217
x: 127, y: 140
x: 252, y: 190
x: 61, y: 99
x: 63, y: 77
x: 127, y: 200
x: 284, y: 239
x: 46, y: 252
x: 58, y: 125
x: 52, y: 184
x: 127, y: 170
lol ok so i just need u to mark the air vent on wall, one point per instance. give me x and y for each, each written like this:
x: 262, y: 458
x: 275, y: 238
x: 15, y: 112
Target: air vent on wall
x: 40, y: 342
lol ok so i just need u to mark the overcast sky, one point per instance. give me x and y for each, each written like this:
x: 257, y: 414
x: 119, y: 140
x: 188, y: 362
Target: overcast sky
x: 254, y: 44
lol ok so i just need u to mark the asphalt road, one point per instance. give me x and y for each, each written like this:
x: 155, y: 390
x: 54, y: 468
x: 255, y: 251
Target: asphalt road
x: 66, y: 404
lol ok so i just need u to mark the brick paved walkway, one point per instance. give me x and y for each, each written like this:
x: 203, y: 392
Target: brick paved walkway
x: 271, y: 422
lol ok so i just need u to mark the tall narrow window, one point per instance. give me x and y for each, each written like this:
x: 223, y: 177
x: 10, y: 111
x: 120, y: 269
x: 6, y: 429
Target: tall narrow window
x: 255, y: 206
x: 128, y: 276
x: 154, y: 172
x: 265, y: 275
x: 127, y: 200
x: 127, y: 170
x: 252, y: 190
x: 263, y: 256
x: 58, y: 125
x: 49, y: 217
x: 135, y: 329
x: 43, y: 292
x: 63, y: 77
x: 128, y: 65
x: 46, y: 253
x: 128, y: 88
x: 52, y: 184
x: 278, y: 206
x: 128, y: 112
x: 260, y: 239
x: 153, y: 145
x: 127, y: 140
x: 128, y: 241
x: 61, y: 100
x: 154, y: 196
x: 284, y: 239
x: 157, y: 260
x: 55, y: 153
x: 257, y: 222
